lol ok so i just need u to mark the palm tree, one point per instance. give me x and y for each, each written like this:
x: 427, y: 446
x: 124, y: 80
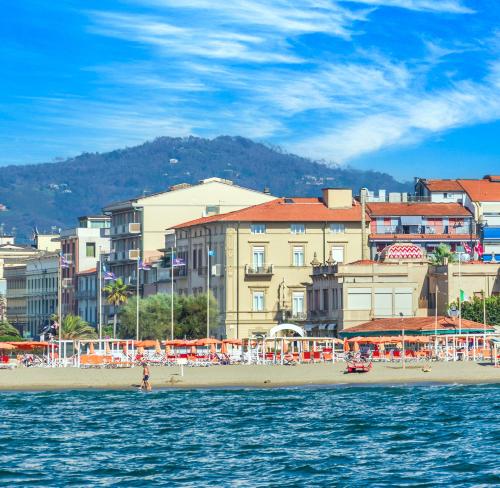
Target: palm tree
x: 441, y: 253
x: 117, y: 293
x: 74, y: 328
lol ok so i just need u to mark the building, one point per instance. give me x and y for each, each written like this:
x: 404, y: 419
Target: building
x: 343, y: 295
x: 425, y: 224
x: 41, y: 291
x: 82, y: 247
x: 86, y: 296
x: 15, y: 277
x: 481, y: 197
x: 256, y: 261
x: 138, y: 225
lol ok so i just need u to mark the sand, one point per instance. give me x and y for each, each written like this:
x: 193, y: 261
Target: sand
x: 244, y: 376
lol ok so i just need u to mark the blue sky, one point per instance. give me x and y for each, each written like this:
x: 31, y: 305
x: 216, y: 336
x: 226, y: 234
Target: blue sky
x: 411, y: 87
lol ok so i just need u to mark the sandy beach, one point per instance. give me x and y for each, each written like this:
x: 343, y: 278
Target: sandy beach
x: 244, y: 376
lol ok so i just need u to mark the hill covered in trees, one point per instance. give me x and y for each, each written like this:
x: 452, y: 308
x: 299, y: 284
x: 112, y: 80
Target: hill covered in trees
x: 54, y: 194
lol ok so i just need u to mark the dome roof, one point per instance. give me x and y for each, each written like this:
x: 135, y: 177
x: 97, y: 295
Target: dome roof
x: 402, y: 251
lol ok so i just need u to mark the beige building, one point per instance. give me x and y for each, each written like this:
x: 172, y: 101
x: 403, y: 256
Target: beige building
x: 138, y: 225
x: 344, y: 295
x: 15, y: 277
x: 258, y: 258
x: 474, y: 278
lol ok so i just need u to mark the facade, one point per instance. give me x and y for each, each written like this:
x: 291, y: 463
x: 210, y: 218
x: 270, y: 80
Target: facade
x: 258, y: 259
x: 426, y: 224
x: 138, y: 225
x: 481, y: 197
x: 86, y: 296
x: 82, y: 247
x: 343, y: 295
x: 15, y: 277
x: 41, y: 291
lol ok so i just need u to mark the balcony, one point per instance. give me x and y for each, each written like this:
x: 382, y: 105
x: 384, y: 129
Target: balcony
x: 422, y: 229
x: 265, y: 270
x: 124, y: 229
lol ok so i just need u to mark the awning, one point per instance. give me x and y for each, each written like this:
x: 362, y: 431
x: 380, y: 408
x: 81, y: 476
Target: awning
x: 332, y: 326
x: 309, y: 327
x: 411, y: 220
x: 323, y: 326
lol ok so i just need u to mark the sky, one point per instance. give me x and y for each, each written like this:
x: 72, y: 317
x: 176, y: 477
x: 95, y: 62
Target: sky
x: 410, y: 87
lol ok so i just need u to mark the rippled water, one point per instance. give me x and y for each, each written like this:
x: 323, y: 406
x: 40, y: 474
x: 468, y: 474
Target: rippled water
x: 342, y: 436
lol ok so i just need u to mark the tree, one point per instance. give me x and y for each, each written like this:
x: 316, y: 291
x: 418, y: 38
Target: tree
x: 8, y: 332
x: 74, y: 328
x: 440, y: 254
x: 474, y: 310
x: 117, y: 294
x: 155, y: 318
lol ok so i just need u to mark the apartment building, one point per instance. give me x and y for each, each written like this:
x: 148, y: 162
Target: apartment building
x: 425, y: 224
x: 138, y: 225
x: 82, y: 247
x: 258, y: 259
x: 41, y: 291
x: 480, y: 196
x: 16, y: 297
x: 343, y: 295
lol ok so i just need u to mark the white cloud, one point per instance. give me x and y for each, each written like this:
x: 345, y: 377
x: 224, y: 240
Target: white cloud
x: 451, y: 6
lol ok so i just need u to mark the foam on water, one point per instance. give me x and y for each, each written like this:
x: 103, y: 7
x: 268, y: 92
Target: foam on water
x: 350, y: 436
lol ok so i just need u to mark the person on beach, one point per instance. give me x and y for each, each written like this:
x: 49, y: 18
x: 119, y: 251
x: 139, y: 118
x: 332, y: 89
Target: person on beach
x: 145, y: 377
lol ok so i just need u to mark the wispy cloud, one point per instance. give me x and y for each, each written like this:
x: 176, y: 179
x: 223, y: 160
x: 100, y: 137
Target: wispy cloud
x: 451, y: 6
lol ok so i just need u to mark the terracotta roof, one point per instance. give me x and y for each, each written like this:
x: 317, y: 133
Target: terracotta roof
x: 442, y: 185
x: 424, y: 209
x: 485, y: 190
x: 285, y: 210
x: 363, y: 262
x: 87, y: 271
x: 422, y: 237
x: 414, y: 324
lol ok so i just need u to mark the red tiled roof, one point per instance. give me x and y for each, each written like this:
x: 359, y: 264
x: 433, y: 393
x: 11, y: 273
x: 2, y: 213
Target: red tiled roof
x: 421, y: 237
x: 442, y: 185
x: 414, y: 324
x: 363, y: 262
x: 485, y: 190
x: 278, y: 210
x: 87, y: 271
x: 424, y: 209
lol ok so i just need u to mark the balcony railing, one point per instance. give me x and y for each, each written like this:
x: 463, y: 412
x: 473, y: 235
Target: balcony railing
x: 422, y: 229
x: 265, y: 270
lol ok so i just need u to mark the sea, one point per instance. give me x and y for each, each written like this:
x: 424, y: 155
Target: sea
x: 381, y: 436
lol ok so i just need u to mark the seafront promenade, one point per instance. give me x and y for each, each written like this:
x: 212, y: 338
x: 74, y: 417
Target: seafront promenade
x: 257, y: 376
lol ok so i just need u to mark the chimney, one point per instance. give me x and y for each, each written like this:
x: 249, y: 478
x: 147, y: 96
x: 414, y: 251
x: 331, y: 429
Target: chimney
x: 337, y: 197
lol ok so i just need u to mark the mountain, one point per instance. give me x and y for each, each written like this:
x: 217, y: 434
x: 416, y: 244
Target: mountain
x: 54, y: 194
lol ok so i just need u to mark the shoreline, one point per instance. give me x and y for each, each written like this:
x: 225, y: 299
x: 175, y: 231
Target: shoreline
x: 245, y: 376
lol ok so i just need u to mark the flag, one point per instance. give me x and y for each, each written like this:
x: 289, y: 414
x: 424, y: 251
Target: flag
x: 63, y: 261
x: 178, y: 262
x: 463, y: 296
x: 467, y: 248
x: 143, y: 265
x: 478, y: 249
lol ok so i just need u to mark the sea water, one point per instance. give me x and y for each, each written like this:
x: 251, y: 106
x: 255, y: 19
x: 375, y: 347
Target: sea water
x: 337, y: 436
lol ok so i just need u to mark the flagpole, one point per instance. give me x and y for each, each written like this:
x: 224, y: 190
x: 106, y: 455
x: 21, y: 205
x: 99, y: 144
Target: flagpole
x: 459, y: 294
x: 137, y: 304
x: 59, y: 299
x: 208, y: 292
x: 100, y: 295
x: 172, y: 287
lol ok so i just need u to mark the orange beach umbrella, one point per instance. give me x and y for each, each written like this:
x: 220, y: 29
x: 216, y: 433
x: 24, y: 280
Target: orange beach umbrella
x: 6, y: 347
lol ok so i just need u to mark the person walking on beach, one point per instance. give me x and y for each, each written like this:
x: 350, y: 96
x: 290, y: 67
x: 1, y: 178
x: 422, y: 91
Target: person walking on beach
x: 145, y: 377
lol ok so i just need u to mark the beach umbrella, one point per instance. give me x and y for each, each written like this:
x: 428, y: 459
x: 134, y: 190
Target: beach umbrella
x: 346, y: 346
x: 145, y: 343
x: 91, y: 348
x: 233, y: 342
x: 285, y: 346
x: 157, y: 347
x: 355, y: 347
x: 6, y: 347
x: 223, y: 348
x: 124, y: 348
x: 28, y: 345
x: 167, y: 350
x: 107, y: 350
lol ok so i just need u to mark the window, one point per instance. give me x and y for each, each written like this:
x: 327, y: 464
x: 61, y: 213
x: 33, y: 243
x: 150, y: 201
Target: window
x: 337, y: 228
x: 195, y: 258
x: 338, y: 254
x: 258, y: 228
x: 258, y: 257
x: 325, y: 300
x: 90, y: 249
x: 298, y: 256
x: 258, y: 301
x: 360, y: 299
x: 298, y: 229
x: 297, y: 303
